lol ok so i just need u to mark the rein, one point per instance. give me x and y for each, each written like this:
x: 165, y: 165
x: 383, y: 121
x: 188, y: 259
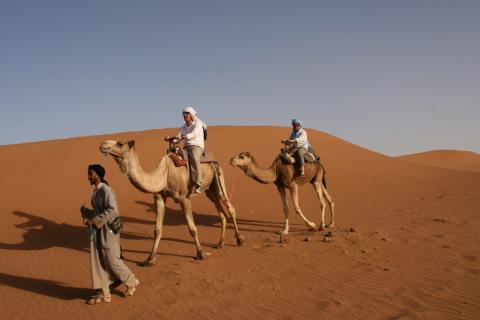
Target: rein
x: 233, y: 185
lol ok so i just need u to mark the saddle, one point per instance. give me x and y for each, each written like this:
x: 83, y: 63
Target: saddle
x: 287, y: 156
x: 180, y: 156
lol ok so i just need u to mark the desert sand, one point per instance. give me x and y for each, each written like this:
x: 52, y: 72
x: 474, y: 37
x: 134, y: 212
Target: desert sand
x: 405, y: 244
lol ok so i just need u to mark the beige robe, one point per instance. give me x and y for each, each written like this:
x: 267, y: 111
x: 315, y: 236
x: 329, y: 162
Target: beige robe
x: 106, y: 265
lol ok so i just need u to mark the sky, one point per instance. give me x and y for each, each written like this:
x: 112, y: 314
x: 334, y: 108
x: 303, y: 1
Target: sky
x: 395, y: 77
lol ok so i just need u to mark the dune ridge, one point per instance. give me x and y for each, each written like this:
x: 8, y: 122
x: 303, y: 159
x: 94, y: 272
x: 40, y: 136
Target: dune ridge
x: 446, y: 159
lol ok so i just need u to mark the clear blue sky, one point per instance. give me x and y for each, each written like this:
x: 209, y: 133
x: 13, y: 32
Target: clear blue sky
x: 395, y: 77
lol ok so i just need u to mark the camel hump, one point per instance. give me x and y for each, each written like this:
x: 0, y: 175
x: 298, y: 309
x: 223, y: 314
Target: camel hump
x: 207, y: 156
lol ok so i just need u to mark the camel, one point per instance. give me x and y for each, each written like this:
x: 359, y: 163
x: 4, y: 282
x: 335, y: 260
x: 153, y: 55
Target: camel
x: 167, y: 180
x: 285, y: 177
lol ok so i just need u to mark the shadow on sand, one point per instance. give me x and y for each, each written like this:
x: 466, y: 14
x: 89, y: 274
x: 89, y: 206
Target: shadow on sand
x: 44, y: 287
x: 175, y: 217
x: 42, y: 234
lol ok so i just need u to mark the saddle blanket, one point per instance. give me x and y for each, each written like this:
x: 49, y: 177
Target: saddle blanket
x: 207, y: 157
x: 289, y: 158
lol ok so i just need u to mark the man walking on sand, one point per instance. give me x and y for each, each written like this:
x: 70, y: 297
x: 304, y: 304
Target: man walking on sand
x: 106, y: 264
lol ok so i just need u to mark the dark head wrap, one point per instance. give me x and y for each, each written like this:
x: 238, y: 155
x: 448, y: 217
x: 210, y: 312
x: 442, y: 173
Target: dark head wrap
x: 99, y: 170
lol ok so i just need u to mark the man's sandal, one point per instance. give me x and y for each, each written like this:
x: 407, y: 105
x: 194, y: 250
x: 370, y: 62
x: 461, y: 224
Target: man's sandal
x: 99, y: 299
x: 131, y: 289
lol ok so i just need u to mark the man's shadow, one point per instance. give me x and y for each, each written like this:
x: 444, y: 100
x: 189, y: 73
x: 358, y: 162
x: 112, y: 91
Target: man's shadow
x: 44, y: 287
x: 43, y: 234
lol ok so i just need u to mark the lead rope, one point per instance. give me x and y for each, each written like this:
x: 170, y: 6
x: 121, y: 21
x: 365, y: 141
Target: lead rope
x: 233, y: 185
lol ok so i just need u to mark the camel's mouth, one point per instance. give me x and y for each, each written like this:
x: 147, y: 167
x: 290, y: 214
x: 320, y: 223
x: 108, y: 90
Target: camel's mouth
x: 106, y: 149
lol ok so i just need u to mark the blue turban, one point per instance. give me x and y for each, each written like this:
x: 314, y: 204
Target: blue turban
x: 296, y: 121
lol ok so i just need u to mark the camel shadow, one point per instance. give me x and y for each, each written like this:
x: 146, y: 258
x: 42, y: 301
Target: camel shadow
x: 42, y: 234
x: 138, y: 262
x: 176, y: 217
x: 49, y: 288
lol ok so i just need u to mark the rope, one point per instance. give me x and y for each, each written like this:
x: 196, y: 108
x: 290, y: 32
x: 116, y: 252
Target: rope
x: 233, y: 186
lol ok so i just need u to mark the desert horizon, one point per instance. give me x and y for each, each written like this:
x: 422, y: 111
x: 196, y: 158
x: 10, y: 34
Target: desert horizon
x: 420, y: 157
x: 404, y: 244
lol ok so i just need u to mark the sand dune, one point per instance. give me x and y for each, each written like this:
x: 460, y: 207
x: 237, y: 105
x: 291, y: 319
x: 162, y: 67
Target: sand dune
x: 447, y: 159
x: 405, y: 243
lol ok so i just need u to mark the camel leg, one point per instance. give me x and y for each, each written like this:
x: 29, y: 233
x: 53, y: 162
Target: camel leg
x: 294, y: 192
x: 210, y: 194
x: 160, y: 209
x: 331, y: 204
x: 222, y: 196
x: 187, y: 210
x: 283, y: 196
x: 319, y: 191
x: 233, y: 216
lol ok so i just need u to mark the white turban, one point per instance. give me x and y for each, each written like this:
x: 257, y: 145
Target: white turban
x: 190, y: 110
x: 194, y: 115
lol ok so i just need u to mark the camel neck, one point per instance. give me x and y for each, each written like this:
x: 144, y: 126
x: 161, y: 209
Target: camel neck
x: 149, y: 182
x: 260, y: 174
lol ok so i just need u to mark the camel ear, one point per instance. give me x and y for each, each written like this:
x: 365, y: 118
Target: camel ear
x: 247, y: 154
x: 131, y: 143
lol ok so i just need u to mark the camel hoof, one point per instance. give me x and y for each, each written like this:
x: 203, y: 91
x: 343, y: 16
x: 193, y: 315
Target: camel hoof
x: 331, y: 225
x: 313, y: 227
x: 147, y: 263
x: 200, y: 256
x: 240, y: 240
x: 322, y: 227
x: 219, y: 245
x: 283, y: 232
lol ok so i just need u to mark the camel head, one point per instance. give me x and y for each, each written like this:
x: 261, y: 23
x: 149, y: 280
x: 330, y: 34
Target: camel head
x: 116, y: 149
x: 119, y: 150
x: 243, y: 160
